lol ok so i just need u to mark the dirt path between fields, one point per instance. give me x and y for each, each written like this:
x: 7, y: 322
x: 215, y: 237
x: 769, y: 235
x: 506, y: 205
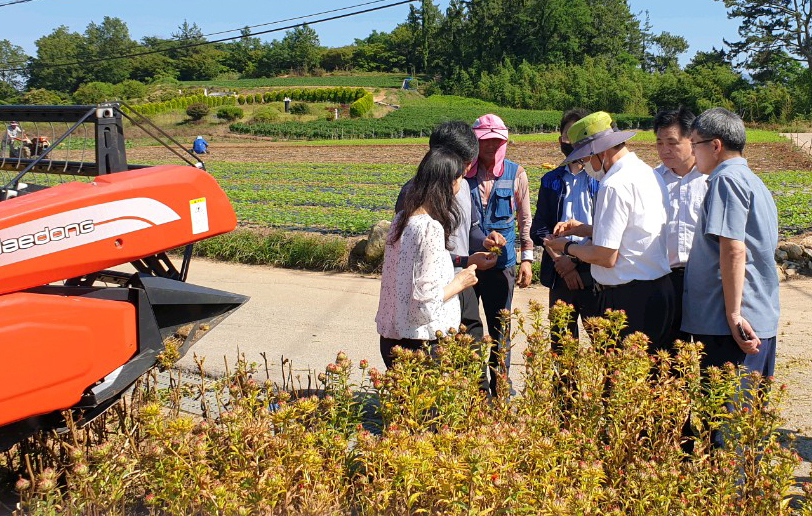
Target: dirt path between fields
x: 308, y: 316
x: 760, y: 156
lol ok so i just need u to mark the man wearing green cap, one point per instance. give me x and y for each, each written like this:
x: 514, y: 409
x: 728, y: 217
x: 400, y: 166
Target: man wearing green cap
x: 627, y: 251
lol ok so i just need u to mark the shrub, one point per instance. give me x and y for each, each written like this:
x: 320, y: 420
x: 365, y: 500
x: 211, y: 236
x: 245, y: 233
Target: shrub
x: 229, y: 113
x: 258, y: 98
x: 130, y: 89
x: 265, y: 115
x: 267, y: 97
x: 197, y: 111
x: 249, y: 99
x: 596, y: 430
x: 94, y: 93
x: 241, y: 99
x: 300, y: 108
x: 361, y: 106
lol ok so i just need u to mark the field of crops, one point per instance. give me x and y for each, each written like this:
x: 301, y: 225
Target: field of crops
x: 362, y: 81
x: 349, y: 199
x: 416, y: 118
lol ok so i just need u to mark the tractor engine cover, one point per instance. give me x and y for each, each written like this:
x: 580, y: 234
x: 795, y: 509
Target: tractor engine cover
x: 74, y: 229
x: 52, y: 348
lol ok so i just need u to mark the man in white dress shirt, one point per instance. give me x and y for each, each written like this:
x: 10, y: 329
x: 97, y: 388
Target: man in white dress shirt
x: 686, y: 187
x: 627, y: 252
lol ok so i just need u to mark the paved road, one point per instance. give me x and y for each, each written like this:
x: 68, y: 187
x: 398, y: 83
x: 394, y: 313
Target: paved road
x: 802, y: 140
x: 304, y: 316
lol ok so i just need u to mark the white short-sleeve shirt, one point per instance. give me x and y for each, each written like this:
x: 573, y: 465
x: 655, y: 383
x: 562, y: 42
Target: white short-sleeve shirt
x: 416, y: 270
x: 684, y: 202
x: 630, y: 217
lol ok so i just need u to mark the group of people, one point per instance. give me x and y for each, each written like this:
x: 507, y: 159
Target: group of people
x: 685, y: 249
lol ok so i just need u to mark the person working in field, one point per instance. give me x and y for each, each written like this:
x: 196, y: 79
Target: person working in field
x: 686, y: 187
x: 200, y: 146
x: 566, y: 192
x: 12, y: 140
x: 627, y: 252
x: 418, y: 285
x: 468, y: 242
x: 500, y: 191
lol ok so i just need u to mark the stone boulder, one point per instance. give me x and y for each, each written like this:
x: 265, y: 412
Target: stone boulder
x: 794, y: 252
x: 376, y: 241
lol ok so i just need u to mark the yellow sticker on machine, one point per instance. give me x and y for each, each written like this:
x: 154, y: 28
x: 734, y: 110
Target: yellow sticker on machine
x: 199, y: 215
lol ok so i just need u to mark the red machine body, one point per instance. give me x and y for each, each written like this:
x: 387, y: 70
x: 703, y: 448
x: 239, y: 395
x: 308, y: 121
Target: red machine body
x: 47, y: 361
x: 75, y: 334
x: 79, y: 228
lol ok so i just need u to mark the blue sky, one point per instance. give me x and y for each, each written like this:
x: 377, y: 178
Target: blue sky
x: 702, y: 22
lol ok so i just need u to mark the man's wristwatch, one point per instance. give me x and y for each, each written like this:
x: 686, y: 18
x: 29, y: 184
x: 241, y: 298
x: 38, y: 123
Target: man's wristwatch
x: 567, y: 249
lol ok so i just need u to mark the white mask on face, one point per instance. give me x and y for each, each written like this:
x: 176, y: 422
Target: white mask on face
x: 595, y: 174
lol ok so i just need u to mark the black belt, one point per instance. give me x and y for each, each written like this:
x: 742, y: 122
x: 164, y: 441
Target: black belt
x: 601, y: 288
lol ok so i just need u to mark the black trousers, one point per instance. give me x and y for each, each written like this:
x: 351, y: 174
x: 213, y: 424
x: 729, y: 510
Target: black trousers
x: 649, y: 307
x: 495, y: 288
x: 677, y: 278
x: 469, y: 310
x: 388, y: 344
x: 584, y: 301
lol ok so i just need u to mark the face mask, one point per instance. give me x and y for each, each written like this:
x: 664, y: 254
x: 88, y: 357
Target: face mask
x: 596, y: 174
x: 566, y: 148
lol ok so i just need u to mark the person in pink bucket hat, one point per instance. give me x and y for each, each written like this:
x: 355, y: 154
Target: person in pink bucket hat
x: 500, y: 191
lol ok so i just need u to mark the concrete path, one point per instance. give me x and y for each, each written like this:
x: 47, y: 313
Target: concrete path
x: 802, y: 140
x: 304, y: 316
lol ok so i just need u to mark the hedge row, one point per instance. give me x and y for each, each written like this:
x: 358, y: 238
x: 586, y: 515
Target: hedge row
x: 361, y: 106
x: 340, y: 95
x: 181, y: 103
x: 416, y: 120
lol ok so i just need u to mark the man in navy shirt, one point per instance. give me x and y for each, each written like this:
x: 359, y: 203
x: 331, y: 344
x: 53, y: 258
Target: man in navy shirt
x: 566, y: 192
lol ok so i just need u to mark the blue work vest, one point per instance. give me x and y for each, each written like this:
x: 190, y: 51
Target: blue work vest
x: 500, y: 214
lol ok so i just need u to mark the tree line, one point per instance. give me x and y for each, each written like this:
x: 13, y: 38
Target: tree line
x: 542, y: 54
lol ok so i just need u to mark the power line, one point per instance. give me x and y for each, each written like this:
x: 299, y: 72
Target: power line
x: 15, y: 2
x: 291, y: 19
x: 230, y: 30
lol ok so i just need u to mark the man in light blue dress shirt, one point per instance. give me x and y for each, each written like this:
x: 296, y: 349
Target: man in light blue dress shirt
x: 730, y: 301
x: 686, y: 187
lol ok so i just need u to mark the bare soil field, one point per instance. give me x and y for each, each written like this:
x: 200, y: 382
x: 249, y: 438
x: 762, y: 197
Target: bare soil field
x: 761, y: 156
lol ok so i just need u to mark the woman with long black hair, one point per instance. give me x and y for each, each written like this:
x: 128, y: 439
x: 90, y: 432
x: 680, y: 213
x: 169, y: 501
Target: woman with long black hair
x: 418, y: 286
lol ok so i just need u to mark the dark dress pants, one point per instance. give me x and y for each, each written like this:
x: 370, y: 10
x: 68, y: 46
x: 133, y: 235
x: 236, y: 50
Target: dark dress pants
x: 584, y: 301
x: 649, y: 307
x: 677, y: 277
x: 495, y: 289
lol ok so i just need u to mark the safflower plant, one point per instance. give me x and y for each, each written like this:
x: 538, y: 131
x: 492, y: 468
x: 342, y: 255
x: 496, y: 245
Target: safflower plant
x: 596, y: 428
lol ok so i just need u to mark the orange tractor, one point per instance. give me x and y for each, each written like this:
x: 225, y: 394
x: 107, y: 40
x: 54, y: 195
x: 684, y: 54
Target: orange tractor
x: 75, y: 333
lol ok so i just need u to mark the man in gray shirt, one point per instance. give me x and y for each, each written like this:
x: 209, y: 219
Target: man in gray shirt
x: 730, y: 300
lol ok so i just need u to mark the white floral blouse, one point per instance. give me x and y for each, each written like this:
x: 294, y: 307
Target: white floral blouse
x: 416, y: 269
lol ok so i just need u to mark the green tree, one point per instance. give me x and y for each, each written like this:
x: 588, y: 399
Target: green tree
x: 302, y: 44
x: 9, y: 94
x: 197, y: 63
x: 241, y: 55
x: 666, y: 48
x: 43, y: 97
x: 773, y: 26
x: 109, y: 39
x: 12, y: 58
x: 60, y: 46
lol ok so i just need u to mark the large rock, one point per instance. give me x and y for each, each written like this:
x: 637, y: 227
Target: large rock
x: 781, y: 256
x: 376, y: 241
x: 795, y: 252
